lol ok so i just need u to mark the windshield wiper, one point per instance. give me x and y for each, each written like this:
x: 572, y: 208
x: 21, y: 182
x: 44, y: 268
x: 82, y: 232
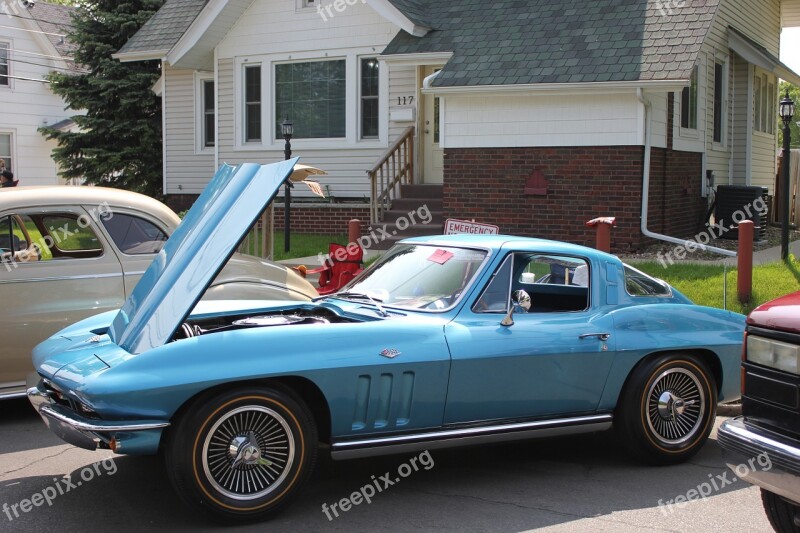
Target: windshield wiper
x: 375, y: 301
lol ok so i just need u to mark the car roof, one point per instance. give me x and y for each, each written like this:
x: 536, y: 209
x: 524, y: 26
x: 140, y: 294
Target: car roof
x: 496, y: 242
x: 44, y: 196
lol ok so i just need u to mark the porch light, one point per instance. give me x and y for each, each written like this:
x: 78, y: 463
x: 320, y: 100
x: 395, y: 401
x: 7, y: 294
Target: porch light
x: 786, y: 112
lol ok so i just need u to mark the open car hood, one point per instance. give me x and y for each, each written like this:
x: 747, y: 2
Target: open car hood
x: 195, y: 253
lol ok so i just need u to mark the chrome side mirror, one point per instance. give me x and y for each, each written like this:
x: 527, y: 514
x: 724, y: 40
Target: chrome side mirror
x: 520, y: 298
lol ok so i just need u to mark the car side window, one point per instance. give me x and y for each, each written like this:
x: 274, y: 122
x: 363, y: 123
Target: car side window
x: 495, y: 297
x: 134, y: 235
x: 555, y: 283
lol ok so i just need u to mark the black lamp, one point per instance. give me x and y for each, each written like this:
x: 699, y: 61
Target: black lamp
x: 786, y: 112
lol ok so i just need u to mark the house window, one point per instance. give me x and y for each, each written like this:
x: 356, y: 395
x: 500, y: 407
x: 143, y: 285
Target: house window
x: 252, y: 103
x: 4, y: 68
x: 719, y: 95
x: 312, y: 95
x: 5, y: 150
x: 689, y: 103
x: 207, y: 105
x: 764, y: 101
x: 369, y: 98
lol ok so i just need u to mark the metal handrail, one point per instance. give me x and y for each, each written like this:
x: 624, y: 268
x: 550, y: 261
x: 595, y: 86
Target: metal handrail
x: 394, y: 168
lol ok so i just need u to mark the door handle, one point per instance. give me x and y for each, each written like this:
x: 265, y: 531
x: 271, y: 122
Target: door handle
x: 602, y: 336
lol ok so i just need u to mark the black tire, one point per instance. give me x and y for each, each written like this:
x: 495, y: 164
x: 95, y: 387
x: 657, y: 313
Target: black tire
x: 667, y: 408
x: 782, y: 514
x: 241, y: 455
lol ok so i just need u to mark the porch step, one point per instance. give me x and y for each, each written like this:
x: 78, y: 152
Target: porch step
x: 413, y: 198
x: 421, y: 191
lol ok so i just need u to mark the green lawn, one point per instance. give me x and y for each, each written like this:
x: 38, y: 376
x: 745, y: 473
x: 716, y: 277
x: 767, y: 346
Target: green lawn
x: 703, y: 284
x: 302, y: 245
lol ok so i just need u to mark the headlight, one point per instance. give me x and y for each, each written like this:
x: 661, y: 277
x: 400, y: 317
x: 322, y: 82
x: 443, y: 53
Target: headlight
x: 774, y: 354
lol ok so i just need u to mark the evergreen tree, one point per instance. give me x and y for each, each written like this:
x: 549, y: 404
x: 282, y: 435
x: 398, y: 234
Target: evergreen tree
x: 119, y: 142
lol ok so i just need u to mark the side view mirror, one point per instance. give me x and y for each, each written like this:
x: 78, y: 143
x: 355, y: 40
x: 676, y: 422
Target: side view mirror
x: 520, y: 298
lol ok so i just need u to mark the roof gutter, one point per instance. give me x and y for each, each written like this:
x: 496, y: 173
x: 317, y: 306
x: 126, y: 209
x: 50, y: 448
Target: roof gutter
x: 648, y: 144
x: 561, y: 88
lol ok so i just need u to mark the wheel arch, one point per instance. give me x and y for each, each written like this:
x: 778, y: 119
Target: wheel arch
x: 305, y: 389
x: 708, y: 356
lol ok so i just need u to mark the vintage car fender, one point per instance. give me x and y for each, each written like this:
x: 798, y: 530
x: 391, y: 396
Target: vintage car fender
x: 644, y: 329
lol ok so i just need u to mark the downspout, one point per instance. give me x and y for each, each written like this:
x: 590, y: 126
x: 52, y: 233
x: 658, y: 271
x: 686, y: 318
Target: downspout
x: 648, y: 119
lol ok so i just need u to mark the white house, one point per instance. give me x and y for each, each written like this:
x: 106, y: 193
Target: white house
x: 32, y: 44
x: 533, y: 115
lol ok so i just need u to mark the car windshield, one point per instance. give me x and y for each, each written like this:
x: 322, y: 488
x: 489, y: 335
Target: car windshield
x: 418, y: 277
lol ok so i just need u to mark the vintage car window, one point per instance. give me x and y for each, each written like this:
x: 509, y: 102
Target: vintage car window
x: 419, y: 276
x: 638, y: 283
x: 66, y: 236
x: 496, y: 296
x: 14, y: 245
x: 555, y: 283
x: 134, y: 235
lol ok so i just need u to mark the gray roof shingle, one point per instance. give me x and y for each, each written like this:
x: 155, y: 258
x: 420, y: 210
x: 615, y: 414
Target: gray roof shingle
x: 55, y: 20
x: 541, y: 41
x: 413, y: 9
x: 165, y: 28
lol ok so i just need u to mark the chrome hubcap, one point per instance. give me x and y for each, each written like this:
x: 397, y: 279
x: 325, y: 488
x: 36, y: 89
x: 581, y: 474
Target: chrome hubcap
x: 248, y: 452
x: 676, y: 405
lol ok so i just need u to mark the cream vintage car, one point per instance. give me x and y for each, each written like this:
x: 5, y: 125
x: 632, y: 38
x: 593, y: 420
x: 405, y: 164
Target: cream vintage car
x: 71, y: 252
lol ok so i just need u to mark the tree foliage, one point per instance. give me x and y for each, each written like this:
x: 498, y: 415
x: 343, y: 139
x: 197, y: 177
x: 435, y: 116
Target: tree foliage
x: 794, y: 94
x: 119, y: 139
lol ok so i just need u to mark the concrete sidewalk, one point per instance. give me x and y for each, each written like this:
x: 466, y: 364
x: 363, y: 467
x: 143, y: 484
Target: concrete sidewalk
x: 768, y: 255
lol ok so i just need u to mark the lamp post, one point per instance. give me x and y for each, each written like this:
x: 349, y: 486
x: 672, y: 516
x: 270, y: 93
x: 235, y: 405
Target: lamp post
x: 287, y: 129
x: 786, y: 112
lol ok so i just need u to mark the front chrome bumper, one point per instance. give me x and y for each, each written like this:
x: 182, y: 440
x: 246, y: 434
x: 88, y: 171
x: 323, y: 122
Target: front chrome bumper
x: 743, y: 443
x: 78, y: 430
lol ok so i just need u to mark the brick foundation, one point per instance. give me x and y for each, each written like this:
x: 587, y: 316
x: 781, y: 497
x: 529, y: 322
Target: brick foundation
x: 316, y: 218
x: 580, y: 183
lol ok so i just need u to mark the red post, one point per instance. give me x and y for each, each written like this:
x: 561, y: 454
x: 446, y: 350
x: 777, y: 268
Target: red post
x: 603, y: 227
x: 353, y: 230
x: 744, y: 258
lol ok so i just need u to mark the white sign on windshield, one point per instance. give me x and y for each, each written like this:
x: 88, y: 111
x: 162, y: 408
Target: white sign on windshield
x: 453, y: 226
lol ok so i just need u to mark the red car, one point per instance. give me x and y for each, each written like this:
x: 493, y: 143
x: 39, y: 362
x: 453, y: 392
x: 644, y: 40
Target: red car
x: 763, y: 445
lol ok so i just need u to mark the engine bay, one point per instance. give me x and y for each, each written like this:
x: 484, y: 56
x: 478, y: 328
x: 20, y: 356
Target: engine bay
x: 290, y: 317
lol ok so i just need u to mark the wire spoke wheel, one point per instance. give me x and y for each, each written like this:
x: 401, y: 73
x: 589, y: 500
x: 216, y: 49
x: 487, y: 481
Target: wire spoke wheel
x: 248, y: 452
x: 676, y: 405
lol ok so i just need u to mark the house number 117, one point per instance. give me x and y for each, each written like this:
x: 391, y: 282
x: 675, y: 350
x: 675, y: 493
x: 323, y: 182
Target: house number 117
x: 405, y: 100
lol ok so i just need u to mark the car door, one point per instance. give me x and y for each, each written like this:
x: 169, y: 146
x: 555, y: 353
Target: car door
x: 553, y: 361
x: 73, y: 274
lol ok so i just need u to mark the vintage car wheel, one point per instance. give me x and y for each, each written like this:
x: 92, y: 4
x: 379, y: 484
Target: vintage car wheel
x: 667, y: 408
x: 241, y: 455
x: 781, y: 513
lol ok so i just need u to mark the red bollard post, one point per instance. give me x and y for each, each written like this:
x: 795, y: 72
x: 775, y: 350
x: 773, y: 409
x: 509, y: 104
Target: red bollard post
x: 744, y: 260
x: 603, y: 226
x: 353, y: 230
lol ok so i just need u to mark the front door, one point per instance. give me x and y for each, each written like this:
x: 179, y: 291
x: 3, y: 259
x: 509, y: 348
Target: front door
x: 432, y: 153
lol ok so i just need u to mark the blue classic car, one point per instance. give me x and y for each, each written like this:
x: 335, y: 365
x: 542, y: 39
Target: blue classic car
x: 444, y: 341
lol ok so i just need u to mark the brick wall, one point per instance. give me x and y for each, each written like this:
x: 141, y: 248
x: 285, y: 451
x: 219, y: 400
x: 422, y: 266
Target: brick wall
x: 488, y: 184
x: 317, y: 218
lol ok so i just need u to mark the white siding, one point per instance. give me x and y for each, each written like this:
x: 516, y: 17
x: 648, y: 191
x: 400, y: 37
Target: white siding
x: 187, y: 166
x: 27, y: 105
x: 541, y: 120
x: 272, y: 31
x: 742, y: 117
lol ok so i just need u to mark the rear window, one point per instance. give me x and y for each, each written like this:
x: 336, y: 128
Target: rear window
x: 638, y: 283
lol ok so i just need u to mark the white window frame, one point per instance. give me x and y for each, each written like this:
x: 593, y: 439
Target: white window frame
x: 696, y: 128
x: 722, y: 144
x: 201, y: 78
x: 10, y: 85
x: 361, y: 98
x: 767, y: 111
x: 12, y: 146
x: 352, y: 112
x: 242, y: 94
